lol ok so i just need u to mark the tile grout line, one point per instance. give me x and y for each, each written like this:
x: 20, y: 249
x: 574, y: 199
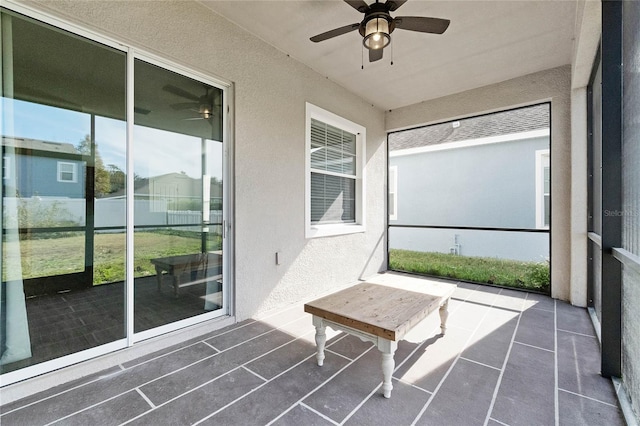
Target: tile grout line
x: 578, y: 334
x: 145, y: 398
x: 480, y: 363
x: 504, y: 365
x: 455, y: 361
x: 275, y: 377
x: 306, y: 407
x: 532, y: 346
x: 357, y: 407
x: 300, y: 401
x: 412, y: 385
x: 218, y: 377
x: 211, y: 346
x: 587, y: 397
x: 555, y: 362
x: 244, y: 367
x: 338, y: 354
x: 89, y: 407
x: 498, y: 421
x: 59, y: 393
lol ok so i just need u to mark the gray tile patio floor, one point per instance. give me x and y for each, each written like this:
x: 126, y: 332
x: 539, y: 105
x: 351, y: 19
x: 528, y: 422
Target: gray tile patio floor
x: 508, y: 358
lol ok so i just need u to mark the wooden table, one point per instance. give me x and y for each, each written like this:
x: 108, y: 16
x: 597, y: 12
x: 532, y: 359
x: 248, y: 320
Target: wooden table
x: 380, y: 313
x: 175, y: 266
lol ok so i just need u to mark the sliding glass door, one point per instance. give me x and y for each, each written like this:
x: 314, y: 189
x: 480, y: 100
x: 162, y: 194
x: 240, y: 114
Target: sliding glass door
x: 178, y: 197
x: 113, y: 175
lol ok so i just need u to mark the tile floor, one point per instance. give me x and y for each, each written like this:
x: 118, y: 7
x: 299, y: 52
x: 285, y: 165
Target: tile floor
x: 508, y: 358
x: 68, y: 322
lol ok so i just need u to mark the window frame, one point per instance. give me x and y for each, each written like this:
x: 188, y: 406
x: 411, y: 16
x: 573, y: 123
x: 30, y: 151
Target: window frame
x: 393, y: 189
x: 74, y: 171
x: 322, y: 230
x: 543, y: 160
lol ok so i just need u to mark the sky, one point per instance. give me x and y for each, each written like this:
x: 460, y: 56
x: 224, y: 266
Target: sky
x: 156, y: 152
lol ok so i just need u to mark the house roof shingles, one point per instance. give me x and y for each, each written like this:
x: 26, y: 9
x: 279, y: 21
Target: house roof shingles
x: 497, y: 124
x: 38, y: 145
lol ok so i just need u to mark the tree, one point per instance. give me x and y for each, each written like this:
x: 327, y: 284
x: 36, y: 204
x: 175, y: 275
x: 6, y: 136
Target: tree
x: 102, y: 178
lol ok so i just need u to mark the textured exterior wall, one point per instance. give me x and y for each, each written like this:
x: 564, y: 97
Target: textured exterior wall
x: 631, y: 203
x: 550, y: 85
x: 491, y: 185
x: 270, y: 94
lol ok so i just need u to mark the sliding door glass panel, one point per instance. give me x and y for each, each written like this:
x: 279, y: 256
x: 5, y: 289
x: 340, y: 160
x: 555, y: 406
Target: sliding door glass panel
x: 63, y: 133
x: 178, y: 197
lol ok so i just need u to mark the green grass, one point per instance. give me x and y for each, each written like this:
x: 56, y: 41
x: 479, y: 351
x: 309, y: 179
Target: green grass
x: 65, y: 254
x: 510, y: 273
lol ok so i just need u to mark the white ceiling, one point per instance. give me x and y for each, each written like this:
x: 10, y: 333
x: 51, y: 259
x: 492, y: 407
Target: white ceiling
x: 488, y: 41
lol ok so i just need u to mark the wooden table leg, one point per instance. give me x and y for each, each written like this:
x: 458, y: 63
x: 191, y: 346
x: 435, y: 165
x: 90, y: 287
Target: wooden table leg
x: 176, y: 284
x: 159, y: 277
x: 444, y: 314
x: 321, y: 338
x: 388, y: 349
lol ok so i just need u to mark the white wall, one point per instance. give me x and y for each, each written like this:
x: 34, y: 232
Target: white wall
x: 551, y: 85
x: 270, y: 94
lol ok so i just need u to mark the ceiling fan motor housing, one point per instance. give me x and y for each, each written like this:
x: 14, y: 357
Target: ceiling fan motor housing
x: 376, y: 27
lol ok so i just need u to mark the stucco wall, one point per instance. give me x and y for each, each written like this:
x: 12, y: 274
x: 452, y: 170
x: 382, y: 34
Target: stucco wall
x: 492, y: 185
x: 270, y: 94
x: 550, y: 85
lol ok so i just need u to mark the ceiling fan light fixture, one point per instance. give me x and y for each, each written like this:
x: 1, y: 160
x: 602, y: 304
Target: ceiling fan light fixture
x: 376, y: 34
x: 205, y: 111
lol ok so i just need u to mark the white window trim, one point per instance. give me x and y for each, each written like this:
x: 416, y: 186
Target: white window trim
x: 393, y: 189
x: 540, y: 164
x: 316, y: 230
x: 75, y: 172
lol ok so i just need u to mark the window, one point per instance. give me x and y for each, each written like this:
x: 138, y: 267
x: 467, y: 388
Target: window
x: 6, y: 171
x: 67, y: 172
x: 393, y: 193
x: 335, y: 169
x: 543, y: 189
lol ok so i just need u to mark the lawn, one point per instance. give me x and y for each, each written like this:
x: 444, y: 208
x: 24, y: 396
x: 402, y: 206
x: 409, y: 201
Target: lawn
x: 510, y: 273
x: 65, y: 254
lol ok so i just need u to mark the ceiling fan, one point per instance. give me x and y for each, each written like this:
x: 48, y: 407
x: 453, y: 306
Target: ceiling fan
x: 377, y: 25
x: 204, y: 105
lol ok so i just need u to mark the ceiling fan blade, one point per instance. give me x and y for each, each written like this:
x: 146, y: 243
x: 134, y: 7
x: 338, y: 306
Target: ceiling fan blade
x: 185, y: 105
x: 394, y: 4
x: 422, y: 24
x: 375, y: 55
x: 358, y: 5
x: 180, y: 92
x: 334, y: 33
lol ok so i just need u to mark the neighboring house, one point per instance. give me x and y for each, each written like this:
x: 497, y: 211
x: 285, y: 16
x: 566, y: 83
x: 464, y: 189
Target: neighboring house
x: 490, y: 171
x: 34, y: 168
x: 177, y: 189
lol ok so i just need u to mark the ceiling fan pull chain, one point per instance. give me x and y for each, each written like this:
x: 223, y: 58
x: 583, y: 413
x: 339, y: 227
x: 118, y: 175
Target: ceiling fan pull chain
x: 391, y: 53
x: 362, y: 57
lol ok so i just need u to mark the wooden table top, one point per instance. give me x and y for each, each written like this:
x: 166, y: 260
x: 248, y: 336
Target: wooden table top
x: 211, y: 259
x: 382, y: 310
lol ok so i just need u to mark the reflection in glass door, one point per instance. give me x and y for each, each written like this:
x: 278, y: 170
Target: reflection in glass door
x: 63, y: 194
x: 178, y: 159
